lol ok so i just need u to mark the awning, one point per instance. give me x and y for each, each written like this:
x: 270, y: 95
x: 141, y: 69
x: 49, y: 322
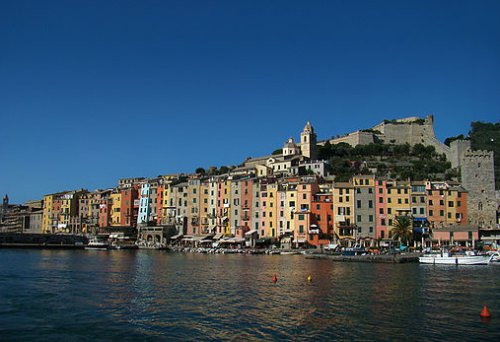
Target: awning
x: 250, y: 232
x: 175, y: 237
x: 301, y: 240
x: 420, y: 219
x: 314, y: 225
x: 233, y: 240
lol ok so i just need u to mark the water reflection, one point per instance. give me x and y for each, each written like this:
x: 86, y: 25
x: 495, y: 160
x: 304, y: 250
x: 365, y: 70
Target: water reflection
x: 141, y: 294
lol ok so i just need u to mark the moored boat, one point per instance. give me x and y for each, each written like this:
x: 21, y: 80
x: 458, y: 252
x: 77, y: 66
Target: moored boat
x: 97, y: 244
x: 465, y: 259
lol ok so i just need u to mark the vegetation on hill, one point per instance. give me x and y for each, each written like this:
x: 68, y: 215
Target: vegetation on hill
x: 398, y: 161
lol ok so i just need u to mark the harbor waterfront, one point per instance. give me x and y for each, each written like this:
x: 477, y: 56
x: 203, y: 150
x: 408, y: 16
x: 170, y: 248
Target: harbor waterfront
x: 145, y: 295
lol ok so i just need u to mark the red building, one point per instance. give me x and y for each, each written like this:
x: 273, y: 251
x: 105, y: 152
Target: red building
x: 321, y: 230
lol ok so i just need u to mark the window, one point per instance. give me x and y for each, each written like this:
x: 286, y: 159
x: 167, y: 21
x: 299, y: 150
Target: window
x: 359, y: 218
x: 301, y: 217
x: 414, y: 211
x: 390, y: 222
x: 389, y: 200
x: 370, y: 190
x: 430, y: 202
x: 389, y: 211
x: 382, y: 234
x: 370, y: 218
x: 301, y: 229
x: 431, y: 213
x: 370, y: 204
x: 317, y: 206
x: 380, y: 200
x: 399, y: 201
x: 413, y: 200
x: 421, y: 211
x: 358, y: 204
x: 304, y: 196
x: 450, y: 204
x: 381, y: 211
x: 441, y: 213
x: 449, y: 215
x: 380, y: 190
x: 371, y: 230
x: 459, y: 203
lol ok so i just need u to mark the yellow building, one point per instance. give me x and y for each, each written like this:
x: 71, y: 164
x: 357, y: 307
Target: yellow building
x: 48, y: 213
x: 343, y: 210
x: 115, y: 199
x: 398, y: 200
x: 269, y: 214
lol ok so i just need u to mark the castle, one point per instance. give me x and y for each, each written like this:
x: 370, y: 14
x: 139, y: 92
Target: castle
x: 412, y: 131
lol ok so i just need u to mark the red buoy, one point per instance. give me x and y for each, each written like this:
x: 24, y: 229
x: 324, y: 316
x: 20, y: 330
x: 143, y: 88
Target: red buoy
x: 275, y: 279
x: 485, y: 313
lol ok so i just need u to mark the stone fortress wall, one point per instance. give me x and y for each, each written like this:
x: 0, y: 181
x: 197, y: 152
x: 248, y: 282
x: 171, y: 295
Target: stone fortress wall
x: 412, y: 130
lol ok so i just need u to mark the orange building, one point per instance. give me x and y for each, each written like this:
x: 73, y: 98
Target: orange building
x: 321, y: 230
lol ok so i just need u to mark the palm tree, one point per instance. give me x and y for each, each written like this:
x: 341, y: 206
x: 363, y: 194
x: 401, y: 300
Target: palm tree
x: 402, y: 229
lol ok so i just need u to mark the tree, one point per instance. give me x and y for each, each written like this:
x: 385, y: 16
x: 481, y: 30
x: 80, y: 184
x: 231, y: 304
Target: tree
x: 402, y: 229
x: 200, y: 171
x: 223, y: 170
x: 277, y: 152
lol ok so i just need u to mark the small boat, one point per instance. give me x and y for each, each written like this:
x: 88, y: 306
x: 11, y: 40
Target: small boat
x: 97, y: 244
x: 462, y: 259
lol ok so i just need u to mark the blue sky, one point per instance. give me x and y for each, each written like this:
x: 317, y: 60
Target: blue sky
x: 92, y: 91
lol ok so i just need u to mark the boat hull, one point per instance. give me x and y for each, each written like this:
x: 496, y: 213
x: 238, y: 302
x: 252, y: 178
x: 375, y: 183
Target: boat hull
x: 454, y: 260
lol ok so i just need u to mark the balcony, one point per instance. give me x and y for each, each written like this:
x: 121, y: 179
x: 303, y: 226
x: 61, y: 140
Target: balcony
x: 339, y: 218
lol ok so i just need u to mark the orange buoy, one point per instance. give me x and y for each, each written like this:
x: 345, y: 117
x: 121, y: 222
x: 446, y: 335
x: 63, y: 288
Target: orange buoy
x: 275, y: 279
x: 485, y: 313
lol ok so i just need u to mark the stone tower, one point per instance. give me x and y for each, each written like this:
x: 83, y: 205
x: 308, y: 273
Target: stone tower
x: 4, y: 208
x: 478, y: 178
x: 308, y: 146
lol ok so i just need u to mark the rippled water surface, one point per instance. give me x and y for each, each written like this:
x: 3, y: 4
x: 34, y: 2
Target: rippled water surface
x: 153, y: 295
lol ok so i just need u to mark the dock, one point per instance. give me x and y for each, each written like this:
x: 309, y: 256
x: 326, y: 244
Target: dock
x: 383, y: 258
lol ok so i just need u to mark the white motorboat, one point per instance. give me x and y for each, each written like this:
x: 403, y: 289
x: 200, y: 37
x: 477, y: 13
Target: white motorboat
x: 465, y: 259
x: 97, y: 244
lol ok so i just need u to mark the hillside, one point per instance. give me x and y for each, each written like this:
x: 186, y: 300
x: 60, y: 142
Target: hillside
x: 397, y: 161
